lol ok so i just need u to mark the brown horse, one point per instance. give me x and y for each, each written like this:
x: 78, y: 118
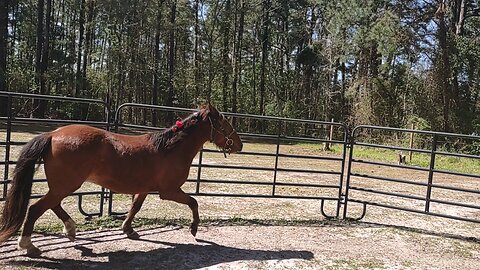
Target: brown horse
x: 73, y: 154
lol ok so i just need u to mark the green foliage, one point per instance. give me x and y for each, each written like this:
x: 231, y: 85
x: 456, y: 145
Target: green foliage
x: 472, y: 149
x: 310, y: 55
x: 419, y: 122
x: 454, y: 164
x: 361, y: 62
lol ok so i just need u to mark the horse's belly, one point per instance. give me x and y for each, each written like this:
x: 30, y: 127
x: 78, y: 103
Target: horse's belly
x: 121, y: 181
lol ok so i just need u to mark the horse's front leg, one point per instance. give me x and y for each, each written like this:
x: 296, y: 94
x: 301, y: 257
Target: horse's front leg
x: 137, y: 203
x: 180, y: 197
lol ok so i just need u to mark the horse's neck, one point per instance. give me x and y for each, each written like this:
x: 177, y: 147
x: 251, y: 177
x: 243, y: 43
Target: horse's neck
x: 194, y: 141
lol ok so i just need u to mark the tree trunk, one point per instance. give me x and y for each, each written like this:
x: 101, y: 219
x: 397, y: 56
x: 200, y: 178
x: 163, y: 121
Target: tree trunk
x: 171, y: 54
x: 88, y: 42
x: 459, y: 10
x: 171, y: 58
x: 42, y: 49
x: 266, y: 5
x: 445, y: 72
x: 196, y: 55
x: 3, y: 54
x: 44, y: 90
x: 225, y: 50
x: 254, y: 66
x: 38, y: 53
x: 210, y: 73
x: 237, y: 59
x: 156, y: 56
x: 78, y: 72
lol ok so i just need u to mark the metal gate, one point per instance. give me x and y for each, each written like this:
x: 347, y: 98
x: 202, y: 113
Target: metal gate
x: 425, y: 185
x: 18, y: 119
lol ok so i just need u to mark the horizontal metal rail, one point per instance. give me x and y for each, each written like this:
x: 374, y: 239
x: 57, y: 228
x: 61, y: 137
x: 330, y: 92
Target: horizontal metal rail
x: 390, y: 165
x: 414, y: 210
x: 457, y: 173
x: 386, y: 179
x: 389, y: 147
x: 404, y: 130
x: 395, y: 194
x: 53, y: 98
x: 253, y: 182
x: 54, y: 121
x: 457, y: 155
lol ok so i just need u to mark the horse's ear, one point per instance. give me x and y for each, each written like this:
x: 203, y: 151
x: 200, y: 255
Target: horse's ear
x: 212, y: 111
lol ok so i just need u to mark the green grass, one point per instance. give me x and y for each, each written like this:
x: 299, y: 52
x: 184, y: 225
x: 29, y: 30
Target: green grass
x: 442, y: 162
x: 454, y: 164
x: 356, y: 264
x: 111, y: 222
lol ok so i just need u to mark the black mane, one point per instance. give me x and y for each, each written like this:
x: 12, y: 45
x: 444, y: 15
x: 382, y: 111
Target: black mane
x: 167, y: 139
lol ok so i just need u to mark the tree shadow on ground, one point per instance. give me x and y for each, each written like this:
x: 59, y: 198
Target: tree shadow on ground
x: 172, y: 256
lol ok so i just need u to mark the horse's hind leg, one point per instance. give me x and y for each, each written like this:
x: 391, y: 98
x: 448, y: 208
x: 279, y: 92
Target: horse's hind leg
x: 34, y: 212
x: 137, y: 203
x: 68, y: 224
x: 180, y: 197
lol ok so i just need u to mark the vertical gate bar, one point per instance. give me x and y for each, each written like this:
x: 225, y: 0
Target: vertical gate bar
x: 349, y: 172
x: 107, y: 116
x: 110, y: 202
x: 430, y: 173
x: 279, y: 131
x: 342, y: 170
x: 199, y: 171
x: 107, y: 120
x: 109, y: 192
x: 7, y: 145
x: 102, y: 197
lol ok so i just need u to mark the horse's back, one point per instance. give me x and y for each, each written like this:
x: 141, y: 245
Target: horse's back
x: 88, y: 153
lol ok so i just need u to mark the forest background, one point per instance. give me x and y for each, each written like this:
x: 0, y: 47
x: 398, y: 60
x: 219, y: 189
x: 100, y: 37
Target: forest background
x: 381, y: 62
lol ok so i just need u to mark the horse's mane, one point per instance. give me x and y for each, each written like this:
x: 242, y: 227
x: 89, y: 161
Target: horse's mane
x: 169, y: 138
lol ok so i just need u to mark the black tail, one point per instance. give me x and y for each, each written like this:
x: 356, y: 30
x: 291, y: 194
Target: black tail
x: 16, y: 203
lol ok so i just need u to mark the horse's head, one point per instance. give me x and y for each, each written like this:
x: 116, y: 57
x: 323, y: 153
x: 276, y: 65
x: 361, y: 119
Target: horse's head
x: 222, y: 132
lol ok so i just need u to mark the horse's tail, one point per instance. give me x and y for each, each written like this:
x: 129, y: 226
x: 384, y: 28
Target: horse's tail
x: 16, y: 202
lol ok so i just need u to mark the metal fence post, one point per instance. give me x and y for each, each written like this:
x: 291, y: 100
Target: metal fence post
x: 279, y: 131
x: 342, y: 170
x: 430, y: 173
x: 199, y: 171
x: 349, y: 172
x: 7, y: 145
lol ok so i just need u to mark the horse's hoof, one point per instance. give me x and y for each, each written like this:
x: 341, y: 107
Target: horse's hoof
x: 69, y: 229
x: 133, y: 235
x: 193, y: 230
x: 71, y: 237
x: 33, y: 252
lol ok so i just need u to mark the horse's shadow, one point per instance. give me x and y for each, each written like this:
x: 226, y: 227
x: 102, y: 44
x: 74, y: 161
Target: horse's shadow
x: 173, y: 256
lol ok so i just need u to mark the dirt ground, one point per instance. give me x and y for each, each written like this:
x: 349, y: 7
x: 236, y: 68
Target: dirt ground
x: 431, y: 244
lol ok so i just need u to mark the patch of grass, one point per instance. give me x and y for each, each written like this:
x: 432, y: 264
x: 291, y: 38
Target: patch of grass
x: 335, y: 149
x: 110, y: 223
x: 462, y: 250
x: 354, y: 264
x: 454, y: 164
x: 408, y: 264
x: 116, y: 222
x: 49, y: 228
